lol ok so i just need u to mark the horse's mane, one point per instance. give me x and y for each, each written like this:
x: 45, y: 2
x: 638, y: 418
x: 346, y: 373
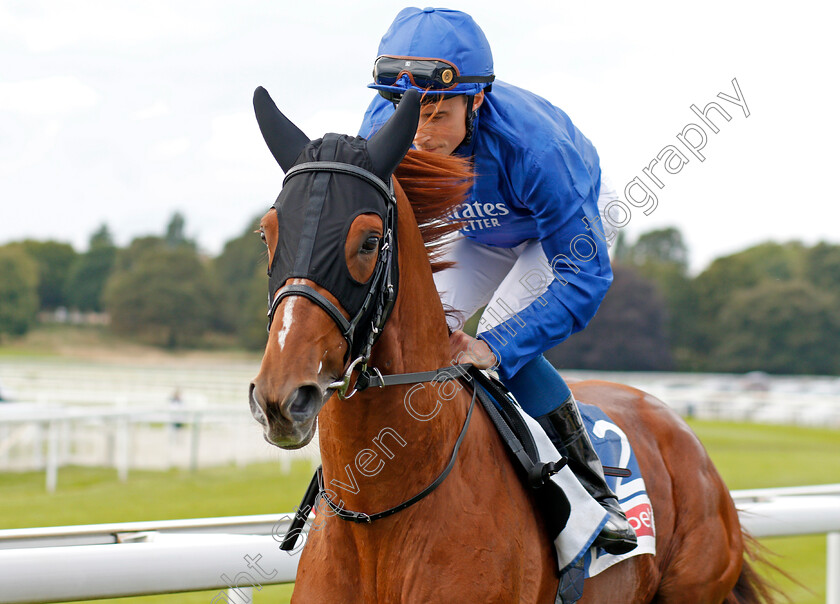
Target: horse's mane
x: 435, y: 185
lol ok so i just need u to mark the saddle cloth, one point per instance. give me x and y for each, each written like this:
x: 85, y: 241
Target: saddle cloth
x: 587, y: 517
x: 614, y: 450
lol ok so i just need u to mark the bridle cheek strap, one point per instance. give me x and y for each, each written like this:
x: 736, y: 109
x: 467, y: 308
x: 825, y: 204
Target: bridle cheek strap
x: 363, y: 328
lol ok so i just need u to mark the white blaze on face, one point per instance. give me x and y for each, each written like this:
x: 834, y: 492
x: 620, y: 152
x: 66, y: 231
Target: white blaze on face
x: 286, y: 321
x: 321, y: 362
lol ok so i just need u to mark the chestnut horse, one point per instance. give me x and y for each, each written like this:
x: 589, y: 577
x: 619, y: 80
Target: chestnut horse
x: 476, y: 538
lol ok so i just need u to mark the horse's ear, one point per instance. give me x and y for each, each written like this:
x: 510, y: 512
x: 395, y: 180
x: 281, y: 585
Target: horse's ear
x: 284, y: 139
x: 388, y: 146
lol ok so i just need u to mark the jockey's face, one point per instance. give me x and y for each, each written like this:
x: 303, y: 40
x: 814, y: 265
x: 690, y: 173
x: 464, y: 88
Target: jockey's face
x: 443, y: 124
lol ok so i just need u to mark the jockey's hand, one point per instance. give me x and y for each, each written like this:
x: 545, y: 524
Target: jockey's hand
x: 466, y: 349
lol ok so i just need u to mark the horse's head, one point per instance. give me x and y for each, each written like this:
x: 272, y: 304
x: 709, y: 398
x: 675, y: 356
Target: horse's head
x: 331, y: 238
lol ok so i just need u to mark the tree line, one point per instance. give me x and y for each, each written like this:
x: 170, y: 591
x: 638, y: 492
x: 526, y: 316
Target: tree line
x: 159, y: 289
x: 771, y: 307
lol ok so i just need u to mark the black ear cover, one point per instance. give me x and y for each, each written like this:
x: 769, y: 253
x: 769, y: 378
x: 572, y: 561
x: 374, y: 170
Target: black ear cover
x: 284, y: 139
x: 390, y: 144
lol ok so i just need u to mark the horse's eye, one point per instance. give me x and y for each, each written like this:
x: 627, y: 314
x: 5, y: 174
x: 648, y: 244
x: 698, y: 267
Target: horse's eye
x: 262, y: 235
x: 370, y: 245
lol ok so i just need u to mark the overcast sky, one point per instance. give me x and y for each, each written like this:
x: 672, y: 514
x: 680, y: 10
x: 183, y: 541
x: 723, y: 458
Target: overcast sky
x: 123, y: 112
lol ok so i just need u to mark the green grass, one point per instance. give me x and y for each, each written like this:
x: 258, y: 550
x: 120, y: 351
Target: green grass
x: 54, y: 340
x: 751, y: 456
x: 48, y: 340
x: 748, y: 456
x: 93, y: 495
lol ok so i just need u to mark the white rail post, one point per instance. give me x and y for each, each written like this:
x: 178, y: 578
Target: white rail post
x: 246, y: 594
x: 5, y: 432
x: 38, y: 447
x: 52, y: 455
x: 238, y: 438
x: 170, y: 440
x: 122, y: 448
x: 64, y: 440
x: 110, y: 433
x: 195, y: 435
x: 286, y: 462
x: 832, y: 571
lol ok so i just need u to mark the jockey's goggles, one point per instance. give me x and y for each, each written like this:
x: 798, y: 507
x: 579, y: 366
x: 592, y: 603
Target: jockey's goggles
x: 426, y: 74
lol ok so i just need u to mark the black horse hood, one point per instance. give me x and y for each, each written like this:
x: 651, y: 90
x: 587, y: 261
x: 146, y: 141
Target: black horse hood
x: 330, y: 182
x: 314, y: 213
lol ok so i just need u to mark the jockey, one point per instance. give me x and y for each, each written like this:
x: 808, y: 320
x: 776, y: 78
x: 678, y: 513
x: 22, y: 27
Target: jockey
x: 535, y: 197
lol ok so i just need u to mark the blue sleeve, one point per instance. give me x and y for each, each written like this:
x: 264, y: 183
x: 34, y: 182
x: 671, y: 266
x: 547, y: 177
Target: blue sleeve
x: 376, y: 115
x: 561, y: 190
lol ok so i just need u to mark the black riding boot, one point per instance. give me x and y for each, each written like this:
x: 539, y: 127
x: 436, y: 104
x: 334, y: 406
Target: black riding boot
x: 564, y: 427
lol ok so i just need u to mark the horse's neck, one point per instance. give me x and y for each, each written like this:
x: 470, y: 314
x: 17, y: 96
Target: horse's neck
x: 385, y: 445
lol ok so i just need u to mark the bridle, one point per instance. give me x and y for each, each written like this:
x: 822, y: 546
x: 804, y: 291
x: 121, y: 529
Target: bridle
x: 363, y: 329
x: 360, y: 333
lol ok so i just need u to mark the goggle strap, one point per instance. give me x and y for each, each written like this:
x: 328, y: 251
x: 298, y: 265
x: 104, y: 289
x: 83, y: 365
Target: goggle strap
x: 474, y: 79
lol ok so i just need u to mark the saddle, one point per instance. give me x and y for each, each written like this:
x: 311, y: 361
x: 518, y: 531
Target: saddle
x: 500, y: 406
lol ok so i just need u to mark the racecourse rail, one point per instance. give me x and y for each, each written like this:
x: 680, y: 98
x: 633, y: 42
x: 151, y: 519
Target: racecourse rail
x: 236, y: 554
x: 122, y: 416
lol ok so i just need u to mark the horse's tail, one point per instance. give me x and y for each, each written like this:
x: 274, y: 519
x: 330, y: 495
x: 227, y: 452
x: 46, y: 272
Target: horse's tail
x: 751, y: 587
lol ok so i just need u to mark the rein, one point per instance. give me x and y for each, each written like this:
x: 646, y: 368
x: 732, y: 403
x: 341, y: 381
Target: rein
x: 316, y: 488
x: 361, y: 517
x: 495, y: 400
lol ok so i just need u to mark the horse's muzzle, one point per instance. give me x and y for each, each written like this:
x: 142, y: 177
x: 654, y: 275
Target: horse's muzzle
x: 291, y: 423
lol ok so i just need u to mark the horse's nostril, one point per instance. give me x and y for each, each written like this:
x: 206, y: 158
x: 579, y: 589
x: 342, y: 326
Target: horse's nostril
x: 302, y: 402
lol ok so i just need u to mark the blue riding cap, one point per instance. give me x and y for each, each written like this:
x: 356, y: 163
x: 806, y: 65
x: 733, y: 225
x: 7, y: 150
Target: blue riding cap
x: 438, y: 33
